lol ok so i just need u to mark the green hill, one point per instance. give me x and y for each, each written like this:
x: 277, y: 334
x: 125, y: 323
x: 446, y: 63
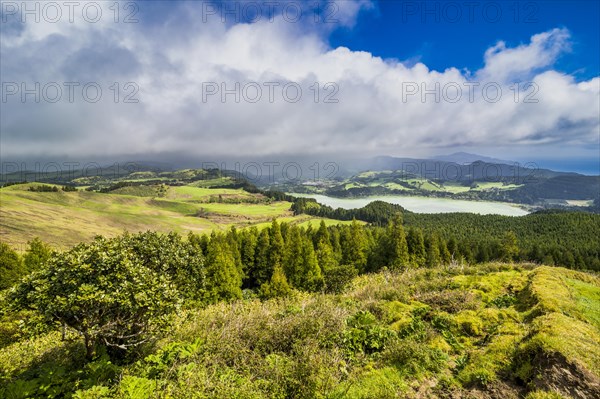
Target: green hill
x: 65, y: 218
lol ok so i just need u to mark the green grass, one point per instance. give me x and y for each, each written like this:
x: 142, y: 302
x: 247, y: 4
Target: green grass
x: 567, y: 303
x: 587, y: 299
x: 424, y: 184
x: 202, y: 194
x: 455, y: 188
x: 396, y: 186
x: 138, y: 191
x: 64, y: 219
x: 273, y: 210
x: 498, y: 185
x: 207, y: 183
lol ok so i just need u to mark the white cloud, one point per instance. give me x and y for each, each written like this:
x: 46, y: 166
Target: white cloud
x: 170, y: 60
x: 505, y: 64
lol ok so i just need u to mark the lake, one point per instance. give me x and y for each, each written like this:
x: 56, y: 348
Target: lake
x: 423, y: 204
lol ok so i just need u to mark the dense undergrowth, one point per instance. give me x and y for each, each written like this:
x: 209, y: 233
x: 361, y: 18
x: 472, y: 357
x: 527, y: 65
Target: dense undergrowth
x: 492, y: 330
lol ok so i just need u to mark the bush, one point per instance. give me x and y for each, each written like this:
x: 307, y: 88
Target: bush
x: 103, y: 291
x: 364, y: 335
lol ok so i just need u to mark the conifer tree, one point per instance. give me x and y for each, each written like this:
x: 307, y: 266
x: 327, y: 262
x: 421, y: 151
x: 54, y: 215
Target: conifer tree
x: 335, y: 243
x: 398, y: 247
x: 322, y: 234
x: 276, y: 248
x: 248, y: 248
x: 277, y: 286
x: 510, y: 248
x: 292, y: 260
x: 466, y: 252
x: 455, y: 255
x: 433, y: 250
x: 300, y: 262
x: 445, y: 256
x: 416, y: 247
x: 311, y: 278
x: 224, y: 280
x: 325, y: 256
x: 262, y: 267
x: 354, y: 246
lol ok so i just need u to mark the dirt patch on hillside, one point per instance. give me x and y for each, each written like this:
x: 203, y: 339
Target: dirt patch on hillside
x: 558, y: 374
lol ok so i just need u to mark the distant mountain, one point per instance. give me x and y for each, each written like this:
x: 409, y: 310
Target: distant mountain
x: 465, y: 176
x: 463, y: 158
x: 450, y: 170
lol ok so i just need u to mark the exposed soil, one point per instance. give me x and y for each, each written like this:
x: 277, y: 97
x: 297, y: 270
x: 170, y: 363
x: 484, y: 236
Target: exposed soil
x: 557, y: 374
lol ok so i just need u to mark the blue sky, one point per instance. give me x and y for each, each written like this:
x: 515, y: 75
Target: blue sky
x: 442, y: 35
x: 371, y: 78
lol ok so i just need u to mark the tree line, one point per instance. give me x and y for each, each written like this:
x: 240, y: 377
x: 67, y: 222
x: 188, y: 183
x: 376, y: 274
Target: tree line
x: 552, y: 237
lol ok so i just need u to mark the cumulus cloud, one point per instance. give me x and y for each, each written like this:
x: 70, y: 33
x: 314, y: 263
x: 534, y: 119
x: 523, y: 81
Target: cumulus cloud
x: 352, y: 102
x: 504, y: 64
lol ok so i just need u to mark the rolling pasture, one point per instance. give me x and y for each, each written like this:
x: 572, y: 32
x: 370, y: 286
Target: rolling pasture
x: 64, y: 219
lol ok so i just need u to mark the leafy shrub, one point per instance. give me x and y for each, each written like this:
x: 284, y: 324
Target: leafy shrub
x: 158, y: 363
x: 364, y: 335
x: 133, y: 387
x: 103, y: 291
x: 504, y: 301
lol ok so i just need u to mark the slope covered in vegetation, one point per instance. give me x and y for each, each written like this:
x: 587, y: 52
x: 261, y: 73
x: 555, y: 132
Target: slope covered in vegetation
x: 492, y: 331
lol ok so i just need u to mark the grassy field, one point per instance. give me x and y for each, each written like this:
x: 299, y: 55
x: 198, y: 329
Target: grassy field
x: 497, y: 185
x: 203, y: 194
x: 65, y: 218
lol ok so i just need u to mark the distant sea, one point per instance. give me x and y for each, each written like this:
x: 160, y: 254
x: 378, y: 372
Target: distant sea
x: 582, y: 166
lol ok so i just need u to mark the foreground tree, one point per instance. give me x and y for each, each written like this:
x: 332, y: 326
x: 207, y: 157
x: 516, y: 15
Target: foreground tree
x: 300, y: 262
x: 103, y: 291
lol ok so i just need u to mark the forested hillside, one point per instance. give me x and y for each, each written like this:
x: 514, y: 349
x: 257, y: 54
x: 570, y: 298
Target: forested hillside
x: 550, y: 237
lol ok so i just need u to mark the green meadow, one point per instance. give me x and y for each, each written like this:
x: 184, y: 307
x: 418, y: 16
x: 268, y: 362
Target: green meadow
x: 64, y: 219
